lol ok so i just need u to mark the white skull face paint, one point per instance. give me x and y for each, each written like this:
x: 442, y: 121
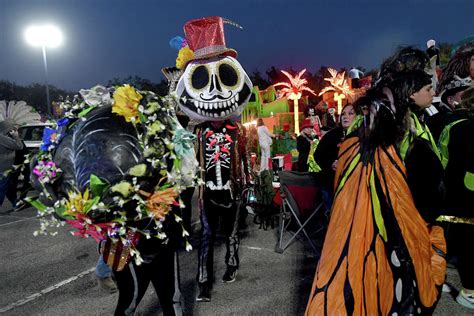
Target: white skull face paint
x: 214, y: 89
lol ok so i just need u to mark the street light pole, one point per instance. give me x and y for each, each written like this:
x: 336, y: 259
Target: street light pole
x: 45, y: 61
x: 44, y: 36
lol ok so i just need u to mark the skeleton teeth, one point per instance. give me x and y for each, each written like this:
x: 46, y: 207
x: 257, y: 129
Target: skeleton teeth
x: 216, y: 105
x: 229, y: 102
x: 237, y: 97
x: 221, y: 104
x: 196, y: 103
x: 199, y: 111
x: 206, y: 106
x: 222, y: 113
x: 215, y: 115
x: 227, y: 112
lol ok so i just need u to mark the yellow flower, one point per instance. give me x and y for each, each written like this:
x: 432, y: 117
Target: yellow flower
x: 76, y: 203
x: 126, y: 100
x: 184, y: 56
x: 123, y: 187
x: 137, y: 170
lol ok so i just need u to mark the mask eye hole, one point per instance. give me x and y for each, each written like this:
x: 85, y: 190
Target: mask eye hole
x: 228, y: 75
x: 200, y: 77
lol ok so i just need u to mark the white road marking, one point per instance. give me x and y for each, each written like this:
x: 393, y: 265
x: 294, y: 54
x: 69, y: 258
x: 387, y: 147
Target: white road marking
x: 21, y: 220
x: 44, y: 291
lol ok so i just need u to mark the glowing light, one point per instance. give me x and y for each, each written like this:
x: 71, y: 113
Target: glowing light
x: 338, y: 98
x: 340, y: 85
x: 248, y: 124
x: 293, y: 91
x: 44, y: 36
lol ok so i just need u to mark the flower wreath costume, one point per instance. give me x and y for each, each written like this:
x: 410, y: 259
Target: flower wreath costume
x: 113, y: 168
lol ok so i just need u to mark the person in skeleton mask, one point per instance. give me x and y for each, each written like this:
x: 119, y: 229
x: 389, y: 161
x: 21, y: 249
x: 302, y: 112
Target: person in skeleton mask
x: 214, y: 87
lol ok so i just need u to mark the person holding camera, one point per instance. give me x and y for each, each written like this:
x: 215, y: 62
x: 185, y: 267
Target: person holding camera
x: 9, y: 143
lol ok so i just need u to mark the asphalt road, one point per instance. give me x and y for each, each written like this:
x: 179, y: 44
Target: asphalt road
x: 53, y: 275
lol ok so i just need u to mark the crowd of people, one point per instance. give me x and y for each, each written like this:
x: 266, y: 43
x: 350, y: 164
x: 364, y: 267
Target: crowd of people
x: 397, y: 168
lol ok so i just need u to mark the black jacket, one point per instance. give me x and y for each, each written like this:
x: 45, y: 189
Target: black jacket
x: 460, y: 166
x: 327, y: 152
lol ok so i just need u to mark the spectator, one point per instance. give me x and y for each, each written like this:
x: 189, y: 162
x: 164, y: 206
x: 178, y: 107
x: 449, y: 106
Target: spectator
x: 303, y: 143
x: 458, y: 159
x: 327, y: 151
x: 265, y: 141
x: 9, y: 143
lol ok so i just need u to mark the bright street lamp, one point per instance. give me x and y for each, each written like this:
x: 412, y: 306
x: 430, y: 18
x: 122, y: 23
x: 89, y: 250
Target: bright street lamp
x: 44, y: 36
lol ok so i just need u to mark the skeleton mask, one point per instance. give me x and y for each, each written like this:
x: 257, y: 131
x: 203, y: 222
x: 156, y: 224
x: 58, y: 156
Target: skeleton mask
x: 213, y: 89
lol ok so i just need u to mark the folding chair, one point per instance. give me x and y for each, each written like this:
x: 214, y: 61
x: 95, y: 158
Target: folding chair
x: 302, y: 200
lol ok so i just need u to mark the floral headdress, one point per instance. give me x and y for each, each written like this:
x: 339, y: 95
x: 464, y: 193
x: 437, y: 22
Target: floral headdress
x: 143, y: 198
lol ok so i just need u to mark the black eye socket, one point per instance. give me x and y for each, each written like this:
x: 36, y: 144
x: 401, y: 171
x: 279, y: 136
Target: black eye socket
x: 228, y: 75
x: 200, y: 77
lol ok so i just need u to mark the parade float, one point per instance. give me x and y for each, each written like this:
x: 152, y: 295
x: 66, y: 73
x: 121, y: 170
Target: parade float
x: 283, y: 109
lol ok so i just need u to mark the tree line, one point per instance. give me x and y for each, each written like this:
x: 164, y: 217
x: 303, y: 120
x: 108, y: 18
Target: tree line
x: 35, y: 95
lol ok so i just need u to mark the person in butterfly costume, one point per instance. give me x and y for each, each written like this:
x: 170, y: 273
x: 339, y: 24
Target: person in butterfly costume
x: 381, y: 255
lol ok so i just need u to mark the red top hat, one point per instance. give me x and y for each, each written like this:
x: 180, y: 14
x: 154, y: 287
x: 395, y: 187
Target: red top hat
x: 205, y: 36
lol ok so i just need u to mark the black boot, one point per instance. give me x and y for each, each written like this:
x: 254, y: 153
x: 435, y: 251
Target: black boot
x: 230, y: 274
x: 204, y: 293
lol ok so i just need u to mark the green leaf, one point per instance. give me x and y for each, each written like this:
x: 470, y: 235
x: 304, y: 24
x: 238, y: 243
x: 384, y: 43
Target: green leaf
x: 37, y: 204
x: 60, y: 211
x: 85, y: 111
x: 97, y: 185
x: 142, y: 118
x: 90, y: 203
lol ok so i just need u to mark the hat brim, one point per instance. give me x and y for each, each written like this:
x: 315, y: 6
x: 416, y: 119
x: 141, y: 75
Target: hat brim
x: 227, y: 52
x: 447, y: 93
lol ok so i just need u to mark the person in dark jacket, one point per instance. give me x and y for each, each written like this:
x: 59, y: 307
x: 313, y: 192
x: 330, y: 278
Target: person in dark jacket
x: 450, y: 99
x: 457, y: 150
x: 303, y: 143
x: 327, y: 151
x: 9, y: 143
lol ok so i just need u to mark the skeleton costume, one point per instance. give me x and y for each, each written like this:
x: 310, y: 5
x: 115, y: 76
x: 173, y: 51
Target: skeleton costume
x: 214, y: 87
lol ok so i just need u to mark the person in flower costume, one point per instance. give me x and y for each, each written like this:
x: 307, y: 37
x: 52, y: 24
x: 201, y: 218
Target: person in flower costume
x: 215, y: 88
x: 113, y: 169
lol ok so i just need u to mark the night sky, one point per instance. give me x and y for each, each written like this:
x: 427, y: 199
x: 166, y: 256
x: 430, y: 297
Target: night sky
x: 114, y: 38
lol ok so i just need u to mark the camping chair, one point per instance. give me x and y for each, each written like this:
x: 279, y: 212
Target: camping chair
x: 301, y: 195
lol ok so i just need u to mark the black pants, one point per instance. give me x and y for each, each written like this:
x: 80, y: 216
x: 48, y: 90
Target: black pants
x: 187, y: 197
x: 133, y: 282
x: 214, y: 206
x: 460, y: 236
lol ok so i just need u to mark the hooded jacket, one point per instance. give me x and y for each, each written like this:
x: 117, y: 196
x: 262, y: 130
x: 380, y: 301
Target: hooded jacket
x: 8, y: 145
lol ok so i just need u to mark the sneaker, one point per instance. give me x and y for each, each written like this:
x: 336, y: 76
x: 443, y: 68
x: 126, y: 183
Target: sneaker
x: 250, y: 210
x: 108, y: 284
x: 446, y: 288
x: 466, y: 300
x: 204, y: 293
x: 229, y: 275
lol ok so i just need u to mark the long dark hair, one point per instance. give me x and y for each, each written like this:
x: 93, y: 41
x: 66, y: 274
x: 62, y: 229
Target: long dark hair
x: 404, y: 60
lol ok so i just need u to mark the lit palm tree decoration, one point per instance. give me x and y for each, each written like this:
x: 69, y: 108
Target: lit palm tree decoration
x: 339, y: 85
x: 293, y: 91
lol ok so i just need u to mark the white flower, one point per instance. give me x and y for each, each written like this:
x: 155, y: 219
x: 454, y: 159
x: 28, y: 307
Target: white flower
x: 97, y: 96
x: 188, y: 246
